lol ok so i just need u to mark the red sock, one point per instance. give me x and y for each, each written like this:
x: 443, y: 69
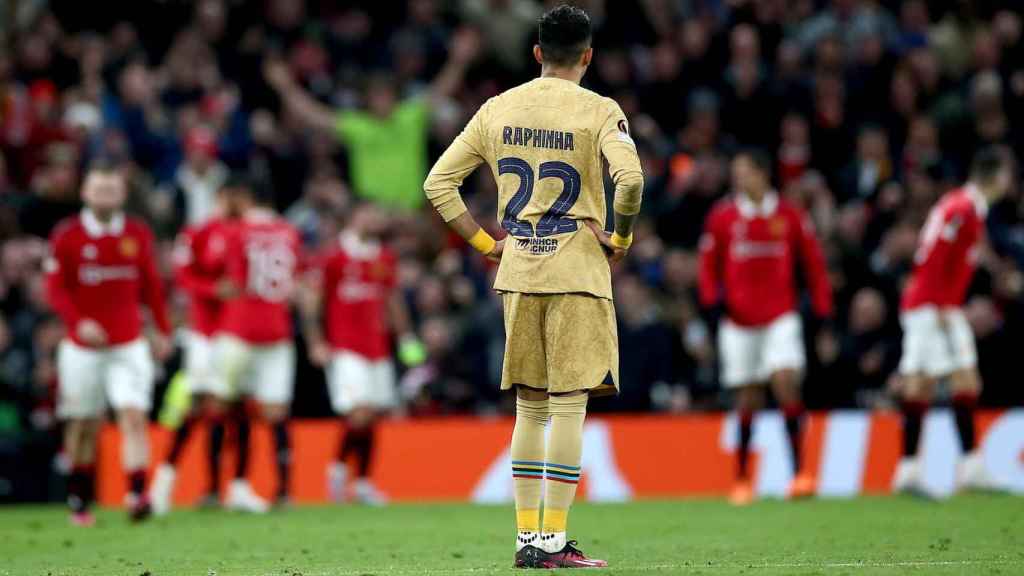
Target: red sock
x: 794, y: 415
x: 137, y: 481
x: 81, y: 487
x: 964, y: 405
x: 913, y: 414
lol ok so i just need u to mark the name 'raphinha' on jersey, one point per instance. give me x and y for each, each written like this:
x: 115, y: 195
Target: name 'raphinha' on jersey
x: 537, y: 137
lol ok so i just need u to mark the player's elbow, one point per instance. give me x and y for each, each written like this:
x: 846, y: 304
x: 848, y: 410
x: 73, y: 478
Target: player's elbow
x: 629, y: 192
x: 443, y: 197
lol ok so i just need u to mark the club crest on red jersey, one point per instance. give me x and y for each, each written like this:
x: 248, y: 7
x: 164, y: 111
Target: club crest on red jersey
x: 777, y: 227
x: 379, y: 270
x: 129, y: 247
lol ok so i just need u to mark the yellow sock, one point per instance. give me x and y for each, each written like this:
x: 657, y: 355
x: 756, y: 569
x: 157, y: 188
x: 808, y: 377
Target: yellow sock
x: 528, y: 467
x: 555, y: 520
x: 562, y: 466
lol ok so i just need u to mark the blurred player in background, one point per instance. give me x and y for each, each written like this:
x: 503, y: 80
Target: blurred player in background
x: 545, y: 141
x: 752, y: 244
x: 361, y: 308
x: 937, y: 340
x: 199, y: 271
x: 254, y: 352
x: 102, y: 269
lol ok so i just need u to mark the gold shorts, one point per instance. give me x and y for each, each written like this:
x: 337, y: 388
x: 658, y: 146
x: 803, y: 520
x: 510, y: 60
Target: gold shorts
x: 560, y: 343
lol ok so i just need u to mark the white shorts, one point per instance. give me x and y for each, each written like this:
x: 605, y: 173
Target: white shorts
x: 199, y: 365
x: 91, y: 378
x: 930, y: 349
x: 751, y: 355
x: 265, y: 373
x: 355, y: 381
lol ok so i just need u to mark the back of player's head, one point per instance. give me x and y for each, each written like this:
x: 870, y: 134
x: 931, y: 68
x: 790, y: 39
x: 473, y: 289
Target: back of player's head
x: 563, y: 35
x: 988, y: 162
x: 237, y: 184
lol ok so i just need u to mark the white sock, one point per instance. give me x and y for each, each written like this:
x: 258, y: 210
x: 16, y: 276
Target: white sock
x: 552, y: 542
x: 524, y: 539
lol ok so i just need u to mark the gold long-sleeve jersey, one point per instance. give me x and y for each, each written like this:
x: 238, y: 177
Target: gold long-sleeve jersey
x: 544, y: 141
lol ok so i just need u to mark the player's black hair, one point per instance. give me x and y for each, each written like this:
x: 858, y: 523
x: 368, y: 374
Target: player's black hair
x: 380, y: 80
x: 759, y: 158
x: 103, y: 165
x: 563, y: 34
x: 238, y: 182
x: 987, y: 163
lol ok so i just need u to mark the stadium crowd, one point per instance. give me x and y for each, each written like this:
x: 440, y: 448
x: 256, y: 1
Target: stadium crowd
x: 870, y: 109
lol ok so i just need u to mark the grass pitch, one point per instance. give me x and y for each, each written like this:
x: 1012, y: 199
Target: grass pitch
x: 965, y: 535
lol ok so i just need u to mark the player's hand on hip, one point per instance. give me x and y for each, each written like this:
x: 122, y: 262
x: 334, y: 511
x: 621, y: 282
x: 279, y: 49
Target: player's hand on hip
x: 162, y: 347
x: 226, y: 289
x: 495, y: 254
x: 613, y: 252
x: 319, y: 353
x: 90, y: 332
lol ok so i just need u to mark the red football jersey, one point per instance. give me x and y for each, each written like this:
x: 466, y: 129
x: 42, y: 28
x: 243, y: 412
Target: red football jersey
x: 262, y: 258
x: 748, y: 257
x: 198, y: 265
x: 105, y: 272
x: 947, y: 250
x: 358, y: 279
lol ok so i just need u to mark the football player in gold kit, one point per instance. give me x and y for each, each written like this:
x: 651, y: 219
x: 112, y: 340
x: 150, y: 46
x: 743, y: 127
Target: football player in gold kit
x: 544, y: 142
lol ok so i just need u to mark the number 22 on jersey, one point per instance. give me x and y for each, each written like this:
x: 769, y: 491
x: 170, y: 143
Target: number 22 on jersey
x: 554, y: 221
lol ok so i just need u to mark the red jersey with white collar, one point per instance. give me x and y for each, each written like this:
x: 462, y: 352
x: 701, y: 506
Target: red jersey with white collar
x: 947, y: 250
x: 199, y: 266
x: 748, y: 260
x: 358, y: 279
x: 105, y: 272
x: 262, y: 258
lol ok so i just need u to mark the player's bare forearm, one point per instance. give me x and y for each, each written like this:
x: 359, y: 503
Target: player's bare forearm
x: 399, y: 314
x: 309, y: 304
x: 469, y: 229
x: 623, y: 225
x: 307, y: 108
x: 465, y: 45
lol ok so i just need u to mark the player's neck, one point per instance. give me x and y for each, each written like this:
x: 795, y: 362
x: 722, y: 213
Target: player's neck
x: 103, y: 216
x: 573, y: 75
x: 756, y: 198
x: 986, y: 192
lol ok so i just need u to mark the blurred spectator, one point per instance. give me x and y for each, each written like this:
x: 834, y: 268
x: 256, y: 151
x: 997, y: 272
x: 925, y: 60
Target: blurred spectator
x: 871, y: 110
x: 388, y: 142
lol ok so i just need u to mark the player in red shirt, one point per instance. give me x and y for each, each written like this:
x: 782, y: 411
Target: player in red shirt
x: 361, y: 309
x: 101, y: 271
x: 253, y: 351
x: 199, y: 271
x: 937, y: 340
x: 752, y: 244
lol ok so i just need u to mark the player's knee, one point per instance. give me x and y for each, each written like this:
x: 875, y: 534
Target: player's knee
x: 786, y: 386
x: 214, y: 408
x: 749, y: 398
x: 966, y: 382
x: 917, y: 388
x: 361, y: 417
x: 274, y: 413
x: 569, y: 403
x: 527, y: 393
x: 132, y: 420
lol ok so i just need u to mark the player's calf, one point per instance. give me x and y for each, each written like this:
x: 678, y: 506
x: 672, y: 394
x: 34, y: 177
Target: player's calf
x: 132, y: 423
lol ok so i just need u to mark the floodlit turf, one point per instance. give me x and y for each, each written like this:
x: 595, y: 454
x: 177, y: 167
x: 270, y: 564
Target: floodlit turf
x: 966, y: 535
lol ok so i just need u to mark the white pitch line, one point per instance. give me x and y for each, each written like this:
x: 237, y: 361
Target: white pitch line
x: 676, y: 567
